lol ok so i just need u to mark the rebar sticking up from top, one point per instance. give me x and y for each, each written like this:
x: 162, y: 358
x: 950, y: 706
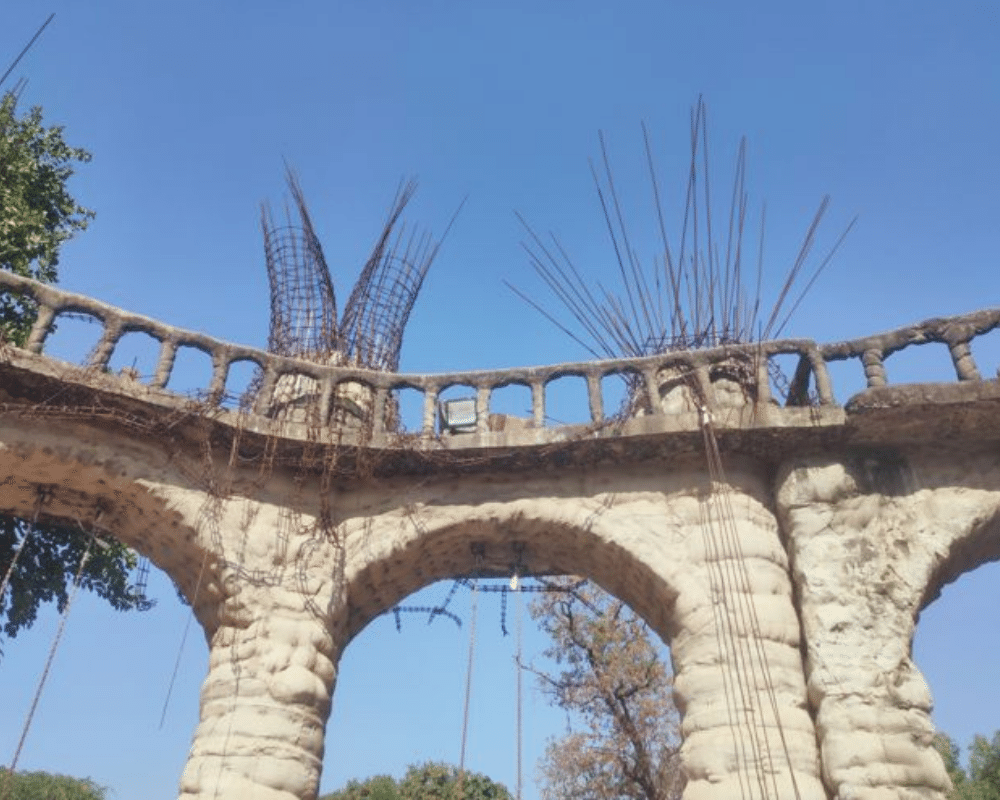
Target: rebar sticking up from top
x: 378, y: 309
x: 702, y: 291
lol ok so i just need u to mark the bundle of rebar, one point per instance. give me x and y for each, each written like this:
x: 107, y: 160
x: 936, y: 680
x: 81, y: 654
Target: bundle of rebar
x: 304, y: 319
x: 694, y: 294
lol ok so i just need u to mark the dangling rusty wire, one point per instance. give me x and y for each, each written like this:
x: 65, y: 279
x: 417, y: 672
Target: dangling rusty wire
x: 52, y: 649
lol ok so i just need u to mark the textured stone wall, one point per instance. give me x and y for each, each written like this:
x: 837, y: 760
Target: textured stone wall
x: 837, y: 552
x: 872, y: 535
x: 643, y: 535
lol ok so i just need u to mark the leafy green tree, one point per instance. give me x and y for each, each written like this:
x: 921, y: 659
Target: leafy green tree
x: 982, y: 782
x: 431, y: 780
x: 47, y: 786
x: 37, y: 215
x: 436, y: 781
x: 378, y: 787
x: 37, y: 212
x: 984, y: 768
x: 617, y: 693
x: 950, y: 752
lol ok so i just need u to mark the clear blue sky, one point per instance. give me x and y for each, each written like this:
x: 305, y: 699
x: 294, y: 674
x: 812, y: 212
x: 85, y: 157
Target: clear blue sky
x: 189, y: 109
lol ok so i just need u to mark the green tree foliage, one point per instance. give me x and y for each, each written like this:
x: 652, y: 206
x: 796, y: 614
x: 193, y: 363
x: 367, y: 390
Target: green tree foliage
x: 37, y: 215
x: 982, y: 781
x: 950, y: 752
x: 431, y: 780
x: 436, y: 781
x: 37, y: 212
x: 616, y: 689
x: 984, y: 766
x: 378, y: 787
x: 46, y: 786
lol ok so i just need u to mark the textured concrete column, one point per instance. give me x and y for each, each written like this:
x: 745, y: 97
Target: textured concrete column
x: 738, y: 668
x: 265, y: 702
x: 861, y: 562
x: 266, y: 604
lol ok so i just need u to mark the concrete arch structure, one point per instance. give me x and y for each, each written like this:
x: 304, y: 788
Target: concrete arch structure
x: 289, y: 535
x: 640, y: 536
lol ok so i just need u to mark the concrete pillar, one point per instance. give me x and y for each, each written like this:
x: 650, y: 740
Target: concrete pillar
x: 738, y: 668
x: 265, y: 702
x: 861, y: 562
x: 266, y: 604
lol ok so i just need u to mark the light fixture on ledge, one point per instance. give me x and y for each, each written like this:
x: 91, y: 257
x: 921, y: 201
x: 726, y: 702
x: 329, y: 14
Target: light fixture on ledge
x: 458, y: 415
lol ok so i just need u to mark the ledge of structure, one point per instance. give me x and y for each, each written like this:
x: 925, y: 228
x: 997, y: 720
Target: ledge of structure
x: 38, y: 386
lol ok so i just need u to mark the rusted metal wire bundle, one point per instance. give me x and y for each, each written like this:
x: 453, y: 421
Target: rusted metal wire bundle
x: 303, y: 302
x: 304, y: 319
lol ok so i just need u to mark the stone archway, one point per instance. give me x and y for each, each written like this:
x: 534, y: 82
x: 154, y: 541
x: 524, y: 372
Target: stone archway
x: 292, y: 570
x: 642, y: 537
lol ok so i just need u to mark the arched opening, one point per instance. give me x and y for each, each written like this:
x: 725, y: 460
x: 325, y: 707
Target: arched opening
x: 955, y: 643
x: 421, y: 667
x: 400, y: 695
x: 191, y: 373
x: 135, y: 356
x: 110, y: 672
x: 243, y: 380
x: 561, y: 540
x: 510, y: 408
x: 73, y: 337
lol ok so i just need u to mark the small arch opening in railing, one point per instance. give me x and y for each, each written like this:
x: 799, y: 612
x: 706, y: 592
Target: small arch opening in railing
x: 352, y: 406
x: 291, y: 395
x: 674, y: 386
x: 408, y: 402
x: 622, y: 393
x: 791, y: 379
x: 243, y: 381
x: 796, y: 376
x: 735, y: 381
x: 985, y: 350
x: 929, y: 362
x: 847, y: 377
x: 73, y: 337
x: 510, y: 407
x: 459, y: 409
x: 133, y: 355
x: 21, y: 312
x: 190, y: 372
x: 566, y: 400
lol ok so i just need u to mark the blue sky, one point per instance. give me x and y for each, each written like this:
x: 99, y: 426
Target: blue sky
x: 189, y: 108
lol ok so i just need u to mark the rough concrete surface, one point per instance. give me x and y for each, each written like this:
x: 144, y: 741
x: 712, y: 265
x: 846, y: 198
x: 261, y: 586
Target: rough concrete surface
x: 786, y: 577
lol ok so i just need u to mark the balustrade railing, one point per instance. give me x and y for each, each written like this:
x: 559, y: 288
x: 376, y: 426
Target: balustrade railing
x: 700, y: 370
x: 956, y: 332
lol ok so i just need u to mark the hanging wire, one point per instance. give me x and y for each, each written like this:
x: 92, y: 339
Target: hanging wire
x: 27, y: 47
x: 180, y: 647
x: 468, y: 689
x: 752, y: 668
x: 52, y: 650
x: 520, y: 696
x: 20, y: 547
